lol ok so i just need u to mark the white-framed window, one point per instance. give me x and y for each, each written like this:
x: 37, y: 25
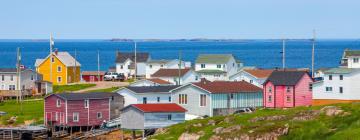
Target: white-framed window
x: 52, y: 59
x: 270, y: 89
x: 86, y: 103
x: 288, y: 89
x: 341, y: 90
x: 169, y: 98
x: 59, y: 79
x: 161, y: 65
x: 270, y: 98
x: 121, y: 66
x: 58, y: 68
x: 251, y: 81
x: 328, y: 89
x: 196, y: 78
x: 144, y: 100
x: 202, y: 65
x: 11, y: 87
x: 288, y: 98
x: 150, y: 66
x: 356, y: 60
x: 169, y: 117
x: 58, y: 103
x: 224, y: 66
x: 310, y: 87
x: 218, y: 66
x: 158, y: 99
x: 99, y: 115
x: 341, y: 77
x: 75, y: 117
x: 202, y: 100
x: 183, y: 99
x: 2, y: 77
x: 330, y: 77
x: 11, y: 77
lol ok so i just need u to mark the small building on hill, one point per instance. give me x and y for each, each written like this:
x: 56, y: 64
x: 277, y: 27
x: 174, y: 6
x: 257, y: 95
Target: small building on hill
x: 125, y: 63
x: 154, y: 65
x: 350, y: 59
x: 284, y: 89
x: 151, y: 116
x: 216, y: 66
x: 172, y: 76
x: 81, y: 109
x: 92, y: 76
x: 150, y: 82
x: 254, y: 76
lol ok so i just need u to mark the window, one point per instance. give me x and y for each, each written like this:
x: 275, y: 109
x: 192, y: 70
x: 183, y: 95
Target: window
x: 340, y: 89
x: 52, y: 59
x: 233, y: 64
x: 11, y: 77
x: 231, y: 96
x: 121, y: 66
x: 144, y: 100
x: 99, y: 115
x: 218, y: 66
x: 32, y: 77
x: 310, y: 87
x: 58, y: 103
x: 202, y: 100
x: 59, y: 68
x: 356, y: 60
x: 75, y: 117
x: 158, y: 99
x: 182, y: 98
x: 270, y: 98
x: 59, y: 79
x: 196, y: 78
x: 288, y: 90
x: 86, y: 103
x: 2, y: 77
x: 251, y: 81
x: 328, y: 89
x: 224, y: 66
x: 150, y: 66
x: 128, y: 66
x: 169, y: 98
x: 161, y: 65
x: 169, y: 117
x: 202, y: 65
x: 11, y: 87
x: 330, y: 77
x: 288, y: 98
x: 341, y: 77
x: 270, y: 89
x: 217, y: 75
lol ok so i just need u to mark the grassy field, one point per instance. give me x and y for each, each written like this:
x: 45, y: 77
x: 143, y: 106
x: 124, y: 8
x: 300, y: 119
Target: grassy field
x: 112, y: 89
x: 318, y: 128
x: 32, y: 111
x: 68, y: 88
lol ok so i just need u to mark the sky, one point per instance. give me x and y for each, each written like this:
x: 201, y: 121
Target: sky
x: 177, y: 19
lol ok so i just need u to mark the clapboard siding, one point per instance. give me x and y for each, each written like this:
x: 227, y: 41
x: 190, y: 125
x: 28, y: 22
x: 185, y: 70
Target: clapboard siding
x: 50, y: 111
x: 240, y: 100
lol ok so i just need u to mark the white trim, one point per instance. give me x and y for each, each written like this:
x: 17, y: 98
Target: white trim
x: 57, y: 68
x: 109, y: 109
x: 200, y: 100
x: 66, y: 112
x: 77, y: 116
x: 88, y: 112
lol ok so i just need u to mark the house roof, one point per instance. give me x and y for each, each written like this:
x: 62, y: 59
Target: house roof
x: 123, y: 56
x: 164, y: 107
x: 8, y: 70
x: 211, y: 71
x: 82, y: 96
x: 163, y: 61
x: 213, y: 58
x: 259, y: 73
x: 170, y: 72
x: 352, y: 53
x: 152, y: 89
x: 286, y: 78
x: 64, y: 57
x: 159, y: 81
x: 93, y: 73
x: 338, y: 71
x: 227, y: 86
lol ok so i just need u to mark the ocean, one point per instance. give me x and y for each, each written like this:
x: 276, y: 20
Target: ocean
x: 259, y: 53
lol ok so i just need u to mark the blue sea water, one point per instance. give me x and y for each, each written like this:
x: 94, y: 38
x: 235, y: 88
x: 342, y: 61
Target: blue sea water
x: 259, y: 53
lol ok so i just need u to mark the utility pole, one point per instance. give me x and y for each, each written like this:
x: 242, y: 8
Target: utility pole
x: 51, y: 57
x: 313, y: 54
x: 283, y: 54
x: 19, y: 79
x: 179, y: 83
x: 75, y: 68
x: 135, y: 62
x: 98, y: 60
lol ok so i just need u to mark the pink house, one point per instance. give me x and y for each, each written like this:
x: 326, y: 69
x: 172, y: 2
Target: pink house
x: 287, y: 89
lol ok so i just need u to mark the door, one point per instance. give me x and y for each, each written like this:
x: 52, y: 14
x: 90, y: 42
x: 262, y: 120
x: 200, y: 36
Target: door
x: 48, y: 118
x: 92, y: 78
x: 39, y: 88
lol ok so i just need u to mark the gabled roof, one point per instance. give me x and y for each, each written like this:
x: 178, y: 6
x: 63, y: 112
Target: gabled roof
x: 152, y: 89
x: 214, y: 58
x: 161, y: 61
x: 164, y: 107
x: 259, y: 73
x: 82, y: 96
x: 286, y: 78
x: 10, y: 70
x: 227, y: 86
x: 207, y: 71
x: 338, y: 71
x: 159, y: 81
x: 348, y: 53
x: 64, y: 57
x: 123, y: 56
x: 170, y: 72
x: 93, y: 73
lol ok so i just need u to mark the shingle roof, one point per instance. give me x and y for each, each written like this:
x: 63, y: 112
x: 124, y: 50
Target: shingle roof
x: 159, y: 81
x: 352, y: 53
x: 8, y: 70
x: 64, y: 57
x: 165, y: 107
x: 82, y: 96
x: 170, y: 72
x: 92, y: 73
x: 228, y: 86
x: 286, y: 78
x: 123, y: 56
x: 152, y: 89
x: 338, y: 71
x: 259, y: 73
x: 213, y: 58
x: 163, y: 61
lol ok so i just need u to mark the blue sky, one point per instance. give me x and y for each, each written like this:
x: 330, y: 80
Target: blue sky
x: 170, y: 19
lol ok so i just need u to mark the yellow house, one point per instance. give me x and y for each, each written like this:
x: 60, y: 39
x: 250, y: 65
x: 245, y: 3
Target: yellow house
x: 60, y: 69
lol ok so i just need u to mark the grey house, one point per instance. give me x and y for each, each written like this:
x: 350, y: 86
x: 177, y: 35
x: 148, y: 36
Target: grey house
x: 151, y: 116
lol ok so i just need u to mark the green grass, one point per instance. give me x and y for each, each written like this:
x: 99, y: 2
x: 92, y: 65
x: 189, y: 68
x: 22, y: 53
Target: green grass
x: 320, y: 128
x: 68, y: 88
x: 31, y: 110
x: 112, y: 89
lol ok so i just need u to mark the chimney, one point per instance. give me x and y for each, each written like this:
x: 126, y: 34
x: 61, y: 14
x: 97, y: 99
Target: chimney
x: 56, y: 51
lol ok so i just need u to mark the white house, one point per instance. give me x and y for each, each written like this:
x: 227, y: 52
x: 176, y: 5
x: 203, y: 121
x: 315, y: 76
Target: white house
x: 150, y: 82
x: 146, y: 94
x: 172, y: 76
x: 154, y: 65
x: 125, y: 63
x: 216, y: 66
x: 337, y: 85
x: 350, y: 59
x: 254, y: 76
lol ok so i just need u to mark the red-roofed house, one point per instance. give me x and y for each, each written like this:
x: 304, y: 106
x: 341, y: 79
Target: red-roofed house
x: 151, y: 116
x: 92, y: 76
x: 150, y: 82
x: 254, y: 76
x: 207, y: 98
x: 172, y: 76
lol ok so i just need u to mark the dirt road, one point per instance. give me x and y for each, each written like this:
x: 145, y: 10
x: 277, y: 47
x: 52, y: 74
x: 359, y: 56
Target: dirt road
x: 103, y: 85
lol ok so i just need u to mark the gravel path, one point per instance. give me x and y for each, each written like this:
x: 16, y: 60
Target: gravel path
x: 103, y: 85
